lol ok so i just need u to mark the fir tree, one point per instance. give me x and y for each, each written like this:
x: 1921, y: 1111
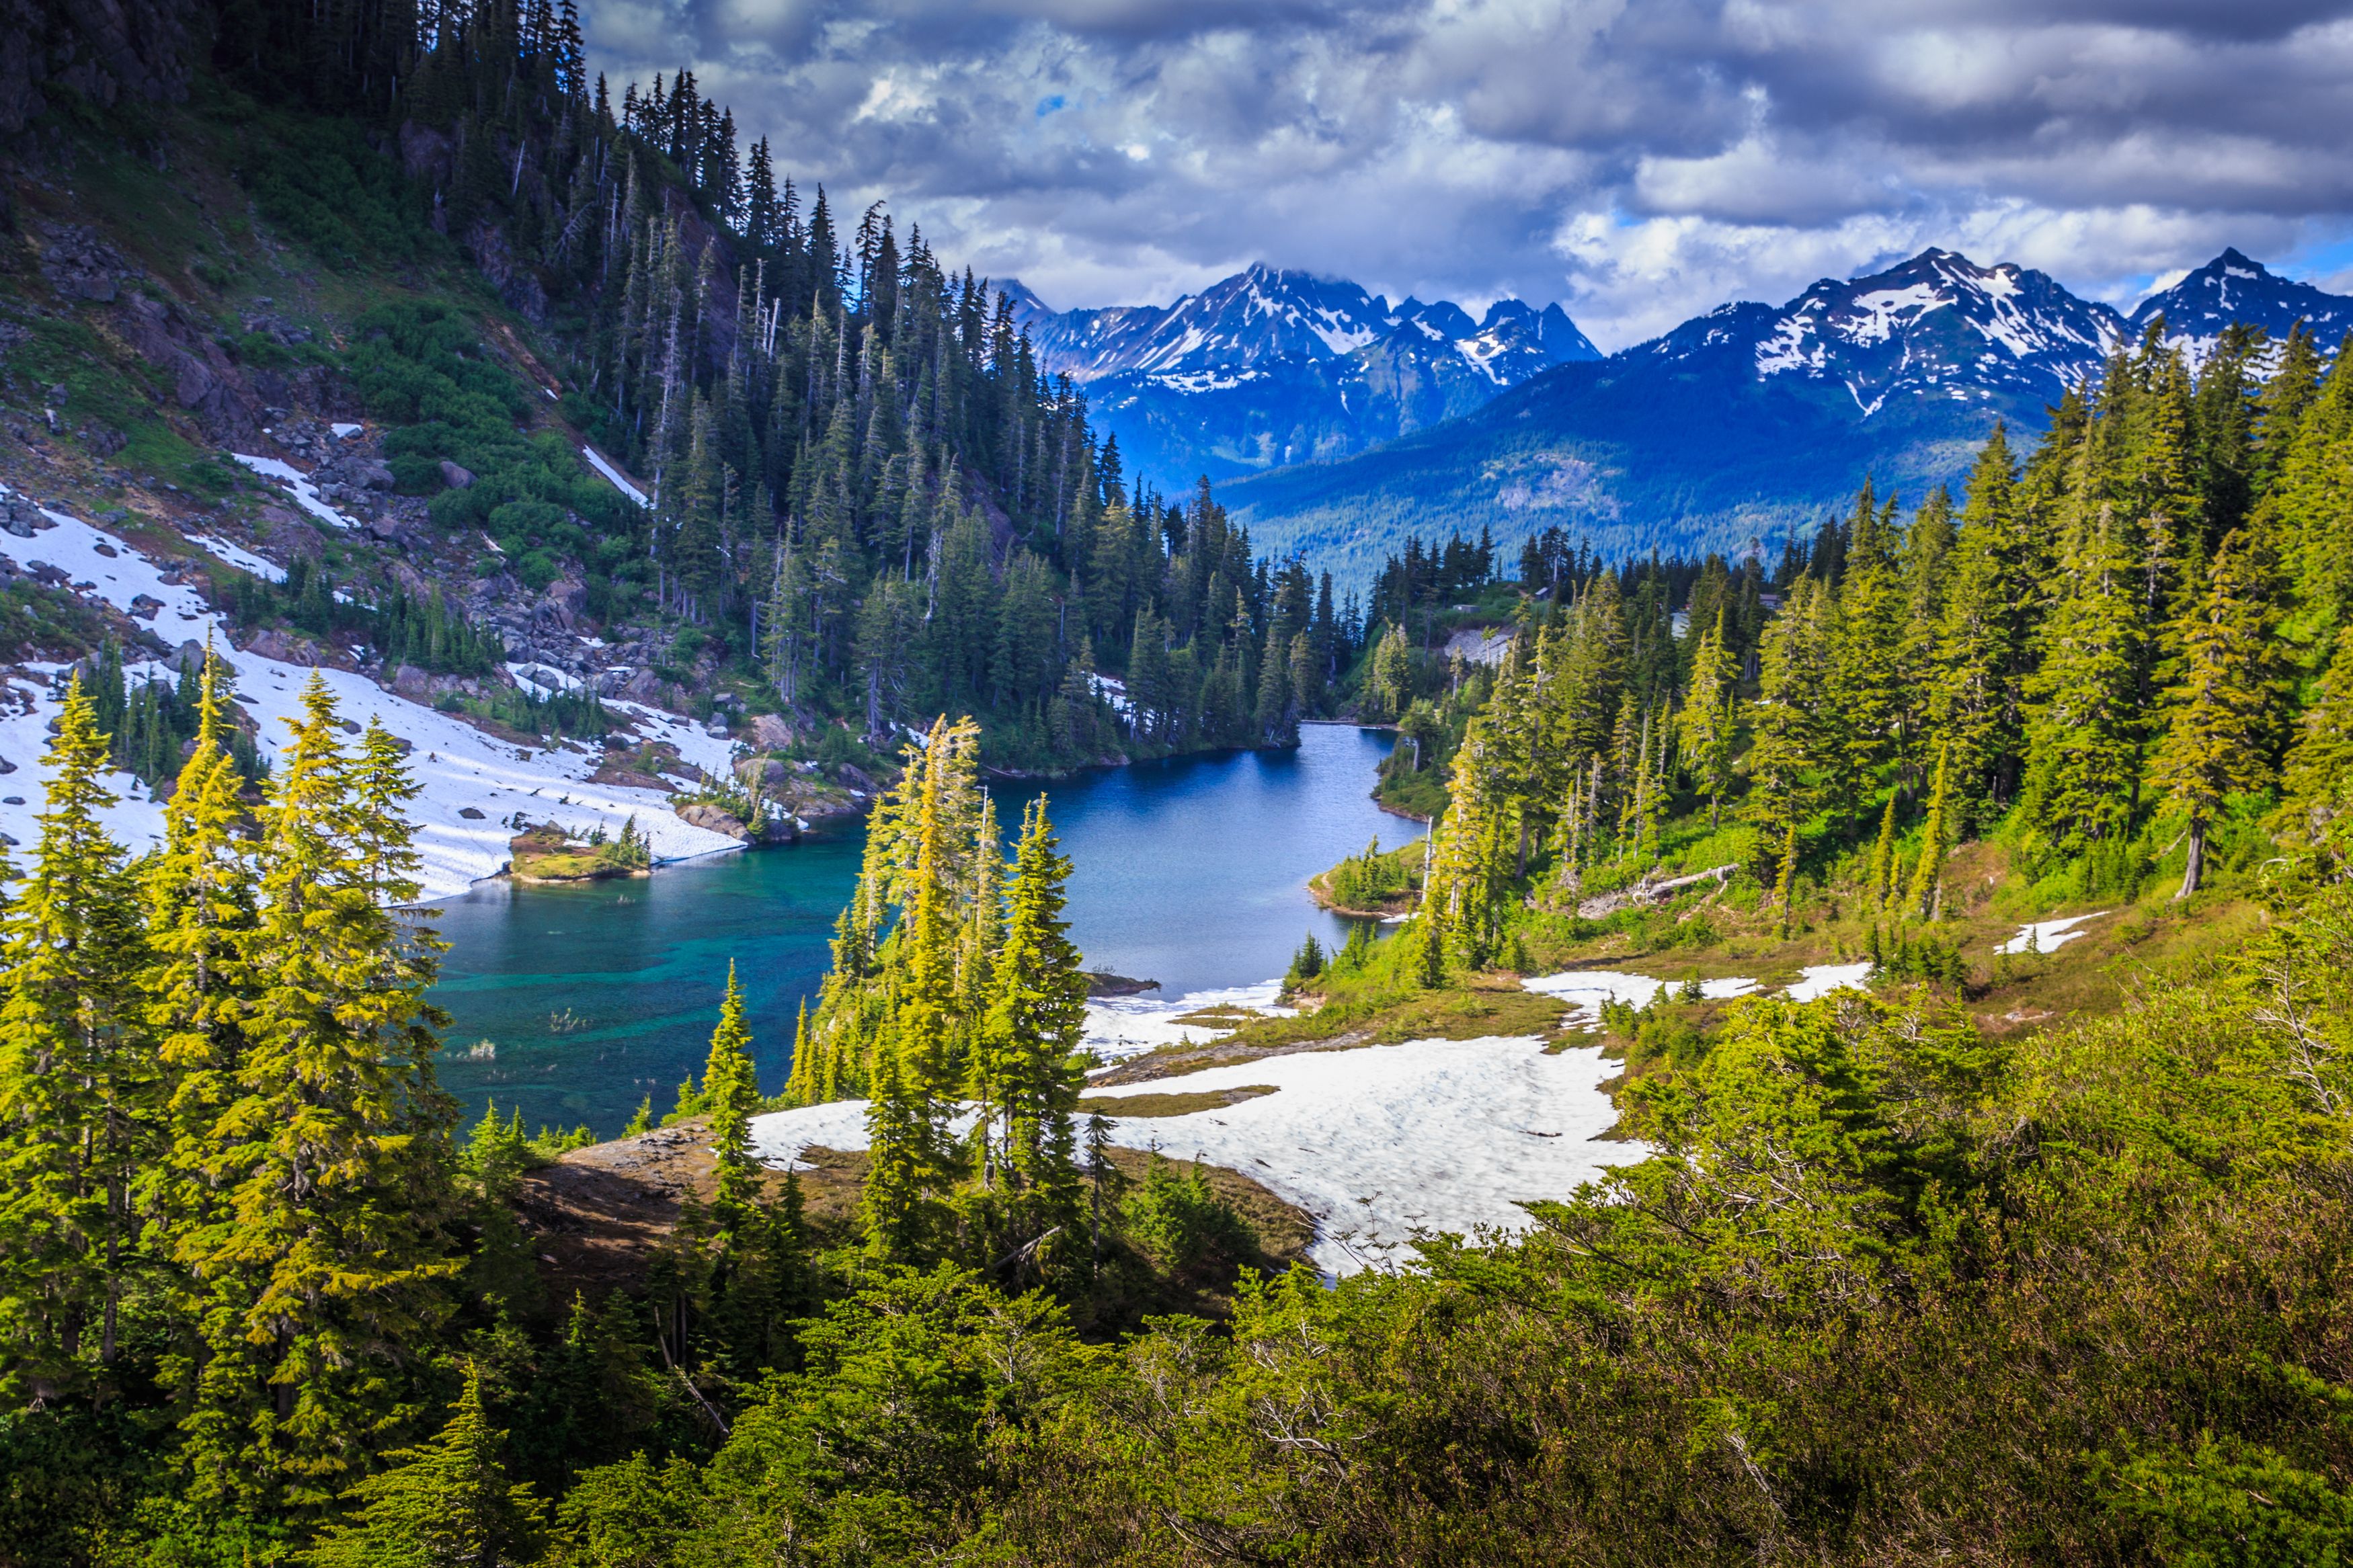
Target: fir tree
x: 330, y: 1268
x: 731, y: 1094
x: 1026, y: 1080
x: 2084, y: 735
x: 1710, y: 717
x: 201, y: 908
x: 446, y: 1502
x: 1926, y: 900
x: 2220, y: 714
x: 78, y: 1091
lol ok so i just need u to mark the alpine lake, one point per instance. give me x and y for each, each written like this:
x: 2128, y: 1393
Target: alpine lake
x: 576, y: 1003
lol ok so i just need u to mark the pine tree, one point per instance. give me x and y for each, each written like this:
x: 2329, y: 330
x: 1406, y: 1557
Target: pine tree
x: 1883, y: 856
x: 1976, y: 696
x: 446, y: 1502
x: 731, y: 1094
x: 1710, y: 718
x: 895, y: 1204
x: 1024, y: 1080
x: 2220, y: 714
x: 201, y: 909
x: 1927, y: 894
x: 1792, y: 751
x: 2320, y: 771
x: 1785, y: 881
x: 329, y: 1272
x: 78, y: 1091
x: 1869, y: 687
x: 2083, y: 734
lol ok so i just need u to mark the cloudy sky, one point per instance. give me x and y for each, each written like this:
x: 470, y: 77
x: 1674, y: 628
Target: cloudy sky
x: 1638, y: 161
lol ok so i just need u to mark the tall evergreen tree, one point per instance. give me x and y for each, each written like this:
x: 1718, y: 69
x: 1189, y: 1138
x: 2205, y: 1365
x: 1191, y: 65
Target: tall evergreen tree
x: 328, y: 1273
x: 2221, y: 713
x: 1026, y: 1080
x: 78, y: 1090
x: 731, y: 1094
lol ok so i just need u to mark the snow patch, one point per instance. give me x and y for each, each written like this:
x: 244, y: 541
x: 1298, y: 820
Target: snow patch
x: 1377, y: 1144
x: 1822, y: 979
x: 236, y: 555
x: 620, y: 480
x: 1123, y: 1027
x: 1585, y: 990
x: 2042, y: 936
x: 298, y: 485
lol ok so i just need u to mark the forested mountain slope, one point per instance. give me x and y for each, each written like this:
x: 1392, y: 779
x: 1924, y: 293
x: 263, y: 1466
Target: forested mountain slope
x: 589, y: 385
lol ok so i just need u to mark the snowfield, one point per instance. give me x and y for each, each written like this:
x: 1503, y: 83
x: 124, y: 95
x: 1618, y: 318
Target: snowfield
x: 458, y: 767
x: 1123, y: 1027
x: 1377, y: 1144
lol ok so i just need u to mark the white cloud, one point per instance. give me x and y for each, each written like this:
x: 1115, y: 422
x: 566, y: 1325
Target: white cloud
x: 1639, y: 160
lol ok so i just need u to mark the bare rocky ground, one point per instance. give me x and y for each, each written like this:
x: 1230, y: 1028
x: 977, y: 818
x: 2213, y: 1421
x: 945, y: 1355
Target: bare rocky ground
x: 598, y: 1213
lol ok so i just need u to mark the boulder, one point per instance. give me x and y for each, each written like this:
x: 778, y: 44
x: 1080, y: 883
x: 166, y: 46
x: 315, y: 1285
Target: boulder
x: 716, y: 819
x: 770, y: 733
x: 456, y: 476
x: 767, y: 771
x: 372, y: 473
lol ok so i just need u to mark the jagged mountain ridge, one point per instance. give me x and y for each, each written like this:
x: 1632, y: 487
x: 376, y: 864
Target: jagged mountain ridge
x: 1752, y: 419
x: 2234, y: 288
x: 1274, y: 366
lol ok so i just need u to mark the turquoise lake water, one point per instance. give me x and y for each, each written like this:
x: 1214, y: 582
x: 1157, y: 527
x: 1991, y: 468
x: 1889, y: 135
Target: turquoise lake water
x: 1192, y: 872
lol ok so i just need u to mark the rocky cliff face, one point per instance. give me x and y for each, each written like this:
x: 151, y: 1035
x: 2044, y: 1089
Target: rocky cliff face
x: 104, y: 50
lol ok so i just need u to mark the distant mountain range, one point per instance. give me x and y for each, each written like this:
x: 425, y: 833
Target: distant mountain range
x: 1754, y: 420
x: 1271, y: 367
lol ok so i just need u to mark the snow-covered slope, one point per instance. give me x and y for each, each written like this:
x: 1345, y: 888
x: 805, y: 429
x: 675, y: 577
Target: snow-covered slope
x: 1938, y: 325
x: 2233, y: 287
x: 460, y: 768
x: 1374, y: 1143
x: 1271, y: 313
x: 1273, y: 366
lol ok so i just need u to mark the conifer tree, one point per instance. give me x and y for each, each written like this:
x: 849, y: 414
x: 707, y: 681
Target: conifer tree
x: 731, y: 1094
x: 2084, y: 735
x: 1790, y: 753
x: 2220, y: 714
x: 1976, y: 695
x: 1710, y: 717
x: 1927, y: 894
x: 895, y: 1204
x: 2321, y: 764
x: 1026, y: 1081
x: 1785, y: 881
x: 201, y: 907
x: 446, y: 1502
x: 78, y: 1090
x: 1883, y: 856
x: 330, y: 1270
x: 1868, y: 689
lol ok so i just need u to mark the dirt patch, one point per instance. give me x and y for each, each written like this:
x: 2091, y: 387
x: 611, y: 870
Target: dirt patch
x: 597, y: 1215
x: 1134, y: 1105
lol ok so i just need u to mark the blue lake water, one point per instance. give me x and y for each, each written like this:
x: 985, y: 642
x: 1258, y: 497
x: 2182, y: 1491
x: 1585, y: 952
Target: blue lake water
x: 1192, y: 872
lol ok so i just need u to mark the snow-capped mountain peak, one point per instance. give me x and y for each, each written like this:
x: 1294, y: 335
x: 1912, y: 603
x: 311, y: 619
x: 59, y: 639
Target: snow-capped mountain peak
x: 2234, y: 288
x: 1266, y: 313
x: 1937, y: 324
